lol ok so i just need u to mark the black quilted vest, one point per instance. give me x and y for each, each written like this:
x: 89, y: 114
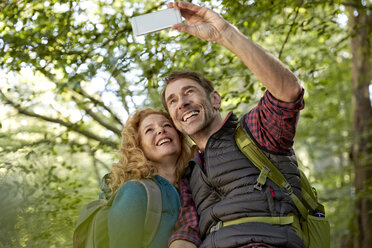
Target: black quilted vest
x: 226, y: 192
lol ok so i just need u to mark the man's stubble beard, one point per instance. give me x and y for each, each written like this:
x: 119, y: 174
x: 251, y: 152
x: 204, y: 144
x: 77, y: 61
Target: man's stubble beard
x: 203, y: 128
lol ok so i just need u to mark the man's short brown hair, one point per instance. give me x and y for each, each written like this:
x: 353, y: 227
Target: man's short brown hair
x: 195, y: 76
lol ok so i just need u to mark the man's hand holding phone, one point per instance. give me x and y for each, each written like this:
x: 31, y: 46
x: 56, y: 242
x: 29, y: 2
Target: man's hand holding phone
x: 201, y: 21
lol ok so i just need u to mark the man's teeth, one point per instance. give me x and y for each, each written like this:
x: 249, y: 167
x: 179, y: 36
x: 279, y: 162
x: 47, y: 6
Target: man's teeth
x: 163, y: 141
x: 190, y: 115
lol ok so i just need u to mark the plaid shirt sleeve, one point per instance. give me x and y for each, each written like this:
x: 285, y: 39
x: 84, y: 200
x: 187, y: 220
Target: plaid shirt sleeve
x: 272, y: 123
x: 186, y: 227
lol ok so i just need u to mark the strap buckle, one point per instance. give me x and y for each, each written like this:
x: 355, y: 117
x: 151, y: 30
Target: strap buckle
x: 261, y: 180
x: 258, y: 186
x: 216, y: 227
x: 288, y: 187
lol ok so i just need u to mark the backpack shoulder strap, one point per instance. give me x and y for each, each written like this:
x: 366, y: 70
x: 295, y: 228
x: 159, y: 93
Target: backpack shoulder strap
x: 153, y: 212
x: 259, y: 159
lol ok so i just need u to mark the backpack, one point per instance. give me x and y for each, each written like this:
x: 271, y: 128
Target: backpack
x: 313, y: 228
x: 91, y: 230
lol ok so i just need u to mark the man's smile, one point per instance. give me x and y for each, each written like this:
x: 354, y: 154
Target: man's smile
x: 189, y: 114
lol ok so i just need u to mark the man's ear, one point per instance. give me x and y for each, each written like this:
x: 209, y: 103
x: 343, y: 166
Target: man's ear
x: 215, y: 100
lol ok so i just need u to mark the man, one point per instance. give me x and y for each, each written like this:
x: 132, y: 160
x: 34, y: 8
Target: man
x: 223, y: 180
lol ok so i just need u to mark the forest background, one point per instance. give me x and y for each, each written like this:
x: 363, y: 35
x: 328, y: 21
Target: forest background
x: 71, y: 72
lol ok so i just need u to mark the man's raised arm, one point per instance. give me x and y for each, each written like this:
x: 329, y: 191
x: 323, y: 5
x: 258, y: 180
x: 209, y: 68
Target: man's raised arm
x: 208, y: 25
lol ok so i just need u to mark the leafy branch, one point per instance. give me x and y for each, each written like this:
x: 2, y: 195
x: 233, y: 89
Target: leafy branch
x: 71, y: 126
x: 290, y: 29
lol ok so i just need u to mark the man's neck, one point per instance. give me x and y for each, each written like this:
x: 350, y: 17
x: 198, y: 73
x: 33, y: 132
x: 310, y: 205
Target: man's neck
x: 201, y: 138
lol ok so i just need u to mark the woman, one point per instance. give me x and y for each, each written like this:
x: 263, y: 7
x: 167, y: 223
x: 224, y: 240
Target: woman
x: 151, y: 147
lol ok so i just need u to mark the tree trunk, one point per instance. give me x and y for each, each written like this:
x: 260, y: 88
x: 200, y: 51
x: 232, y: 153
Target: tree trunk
x: 360, y: 27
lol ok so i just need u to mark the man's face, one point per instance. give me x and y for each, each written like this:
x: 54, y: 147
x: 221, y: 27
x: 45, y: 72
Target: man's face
x: 191, y: 110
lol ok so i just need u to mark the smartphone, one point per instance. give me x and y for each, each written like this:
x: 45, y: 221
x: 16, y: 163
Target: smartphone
x: 155, y: 21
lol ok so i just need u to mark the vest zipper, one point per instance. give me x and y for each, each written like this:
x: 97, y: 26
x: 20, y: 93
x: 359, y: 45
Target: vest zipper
x: 207, y: 173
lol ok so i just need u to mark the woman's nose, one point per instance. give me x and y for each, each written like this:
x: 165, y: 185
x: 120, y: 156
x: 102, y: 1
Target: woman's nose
x: 161, y: 130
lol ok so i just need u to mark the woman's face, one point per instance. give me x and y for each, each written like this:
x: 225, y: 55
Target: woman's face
x: 159, y: 139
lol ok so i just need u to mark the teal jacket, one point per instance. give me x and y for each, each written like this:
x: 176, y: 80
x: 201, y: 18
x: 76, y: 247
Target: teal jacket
x: 127, y: 215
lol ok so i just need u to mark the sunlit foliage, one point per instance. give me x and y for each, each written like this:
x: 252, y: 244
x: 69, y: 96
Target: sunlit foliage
x: 71, y: 72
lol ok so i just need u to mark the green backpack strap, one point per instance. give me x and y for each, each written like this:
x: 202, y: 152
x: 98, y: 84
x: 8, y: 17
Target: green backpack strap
x: 268, y: 170
x: 309, y: 196
x: 154, y: 209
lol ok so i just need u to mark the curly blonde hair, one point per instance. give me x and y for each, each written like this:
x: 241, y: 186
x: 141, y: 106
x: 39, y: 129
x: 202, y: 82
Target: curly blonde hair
x: 133, y: 164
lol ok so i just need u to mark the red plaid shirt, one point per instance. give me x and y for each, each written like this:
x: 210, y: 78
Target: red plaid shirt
x: 273, y: 125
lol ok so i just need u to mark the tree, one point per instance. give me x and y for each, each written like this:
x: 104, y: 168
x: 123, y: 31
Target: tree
x: 360, y: 22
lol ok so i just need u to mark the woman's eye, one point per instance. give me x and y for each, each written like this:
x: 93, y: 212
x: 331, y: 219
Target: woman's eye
x: 148, y: 130
x: 168, y: 125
